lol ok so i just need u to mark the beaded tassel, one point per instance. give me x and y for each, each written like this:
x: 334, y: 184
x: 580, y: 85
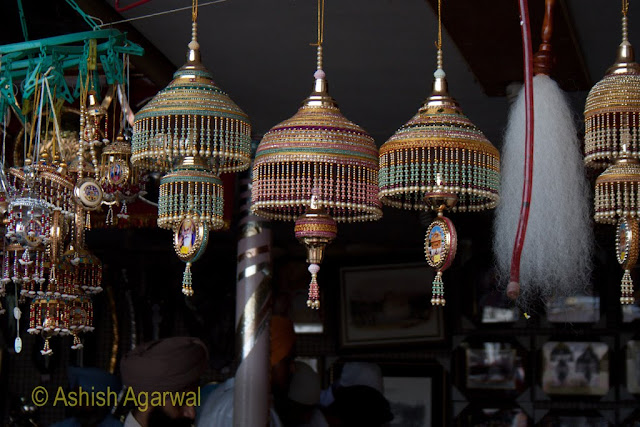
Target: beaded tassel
x: 124, y: 213
x: 5, y: 268
x: 437, y: 290
x: 46, y: 350
x: 16, y: 277
x: 186, y: 281
x: 109, y: 219
x: 626, y: 289
x: 77, y: 344
x: 314, y: 292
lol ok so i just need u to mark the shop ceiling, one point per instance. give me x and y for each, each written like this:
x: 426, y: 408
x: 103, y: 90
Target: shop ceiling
x: 379, y: 55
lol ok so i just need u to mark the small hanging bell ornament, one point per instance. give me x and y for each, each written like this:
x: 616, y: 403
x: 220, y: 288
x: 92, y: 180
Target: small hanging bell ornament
x: 627, y: 236
x: 441, y: 240
x: 315, y: 229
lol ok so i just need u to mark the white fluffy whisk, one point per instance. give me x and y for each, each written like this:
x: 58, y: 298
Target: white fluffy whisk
x: 557, y: 254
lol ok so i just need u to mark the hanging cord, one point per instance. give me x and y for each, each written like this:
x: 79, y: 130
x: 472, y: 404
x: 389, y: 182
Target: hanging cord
x: 4, y: 186
x: 319, y: 74
x: 440, y: 70
x: 36, y: 101
x: 513, y: 290
x: 36, y: 147
x: 165, y: 12
x: 56, y: 126
x: 625, y: 22
x: 194, y: 26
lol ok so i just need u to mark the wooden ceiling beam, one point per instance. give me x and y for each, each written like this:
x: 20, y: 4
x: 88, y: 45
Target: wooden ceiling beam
x: 487, y: 33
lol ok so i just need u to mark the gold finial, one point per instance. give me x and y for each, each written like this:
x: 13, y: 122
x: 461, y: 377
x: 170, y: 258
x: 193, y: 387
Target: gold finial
x: 625, y: 60
x: 320, y: 95
x: 194, y: 46
x: 440, y: 83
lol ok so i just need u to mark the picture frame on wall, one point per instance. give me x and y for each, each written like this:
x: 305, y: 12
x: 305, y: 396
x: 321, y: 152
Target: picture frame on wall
x: 493, y: 366
x: 575, y: 368
x: 633, y: 366
x: 494, y: 417
x: 416, y: 391
x: 631, y: 312
x: 574, y: 419
x: 574, y: 309
x: 388, y: 305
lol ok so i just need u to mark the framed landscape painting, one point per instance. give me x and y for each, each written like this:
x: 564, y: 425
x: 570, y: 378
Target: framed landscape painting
x: 388, y: 304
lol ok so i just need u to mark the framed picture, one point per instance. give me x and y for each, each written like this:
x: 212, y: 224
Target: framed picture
x: 494, y: 417
x: 493, y: 366
x: 491, y: 305
x: 631, y: 312
x: 389, y: 304
x: 633, y: 367
x: 415, y: 393
x: 416, y: 390
x: 574, y: 421
x: 574, y: 309
x: 575, y: 368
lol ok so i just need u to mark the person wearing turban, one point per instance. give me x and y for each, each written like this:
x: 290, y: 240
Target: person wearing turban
x: 217, y: 411
x: 167, y: 365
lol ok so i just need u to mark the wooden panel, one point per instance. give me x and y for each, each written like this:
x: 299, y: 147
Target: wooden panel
x: 487, y: 33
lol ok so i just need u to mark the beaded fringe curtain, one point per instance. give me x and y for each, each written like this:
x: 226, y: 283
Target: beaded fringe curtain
x: 191, y: 117
x: 439, y: 148
x: 617, y: 193
x: 190, y: 190
x: 316, y: 152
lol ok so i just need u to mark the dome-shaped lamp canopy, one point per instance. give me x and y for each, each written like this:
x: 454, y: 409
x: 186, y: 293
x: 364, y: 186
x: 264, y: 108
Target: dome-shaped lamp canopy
x: 613, y: 109
x: 317, y: 152
x: 439, y: 149
x: 192, y: 116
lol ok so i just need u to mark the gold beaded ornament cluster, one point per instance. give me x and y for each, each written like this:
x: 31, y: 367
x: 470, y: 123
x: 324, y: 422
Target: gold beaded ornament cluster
x: 193, y: 130
x: 316, y: 168
x: 439, y: 160
x: 612, y: 138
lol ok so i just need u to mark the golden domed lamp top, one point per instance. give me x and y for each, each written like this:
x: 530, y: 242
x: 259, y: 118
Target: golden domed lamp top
x: 192, y: 117
x: 613, y: 107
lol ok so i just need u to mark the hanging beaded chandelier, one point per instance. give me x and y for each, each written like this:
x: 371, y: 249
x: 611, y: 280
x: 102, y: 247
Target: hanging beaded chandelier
x: 193, y: 124
x: 612, y: 134
x: 613, y: 107
x: 192, y: 117
x: 316, y: 168
x: 439, y: 160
